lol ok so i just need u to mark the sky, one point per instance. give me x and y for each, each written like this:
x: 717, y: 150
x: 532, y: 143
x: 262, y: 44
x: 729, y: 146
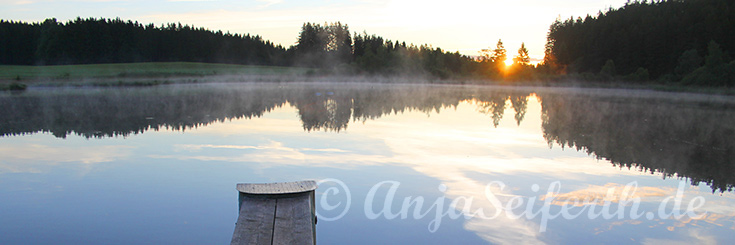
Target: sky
x: 459, y: 25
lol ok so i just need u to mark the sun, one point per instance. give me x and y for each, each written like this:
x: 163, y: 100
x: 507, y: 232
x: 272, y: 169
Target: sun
x: 508, y: 62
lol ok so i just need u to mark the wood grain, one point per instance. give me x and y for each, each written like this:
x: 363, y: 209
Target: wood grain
x: 278, y: 188
x: 276, y: 213
x: 255, y: 222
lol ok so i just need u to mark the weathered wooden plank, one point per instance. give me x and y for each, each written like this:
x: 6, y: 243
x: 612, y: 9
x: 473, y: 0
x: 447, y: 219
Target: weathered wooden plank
x: 277, y: 188
x: 255, y: 222
x: 276, y: 213
x: 294, y: 222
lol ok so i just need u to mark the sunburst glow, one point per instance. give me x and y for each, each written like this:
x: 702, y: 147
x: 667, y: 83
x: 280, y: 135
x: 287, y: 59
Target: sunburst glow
x: 508, y: 62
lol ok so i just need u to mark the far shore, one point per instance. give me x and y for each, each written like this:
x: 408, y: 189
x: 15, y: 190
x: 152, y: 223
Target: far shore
x: 152, y: 74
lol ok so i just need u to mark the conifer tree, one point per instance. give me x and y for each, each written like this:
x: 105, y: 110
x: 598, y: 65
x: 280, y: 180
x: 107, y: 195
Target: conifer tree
x: 522, y: 58
x: 499, y: 54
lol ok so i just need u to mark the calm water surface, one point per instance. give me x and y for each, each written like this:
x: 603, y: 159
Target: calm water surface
x: 397, y: 163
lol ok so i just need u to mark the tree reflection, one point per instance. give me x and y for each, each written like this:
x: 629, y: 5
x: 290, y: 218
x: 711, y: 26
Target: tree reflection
x: 689, y: 140
x: 494, y: 104
x: 108, y: 113
x: 692, y: 140
x: 324, y: 110
x: 519, y: 104
x: 96, y: 113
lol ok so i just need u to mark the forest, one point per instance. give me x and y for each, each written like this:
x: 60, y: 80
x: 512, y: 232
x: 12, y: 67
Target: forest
x: 679, y: 42
x: 331, y: 47
x: 688, y: 42
x: 94, y: 41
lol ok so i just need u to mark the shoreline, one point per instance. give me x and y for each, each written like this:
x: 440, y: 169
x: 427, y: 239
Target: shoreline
x: 153, y: 74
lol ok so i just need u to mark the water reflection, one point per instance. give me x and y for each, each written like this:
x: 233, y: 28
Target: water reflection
x: 674, y: 138
x: 459, y: 137
x: 107, y: 113
x: 494, y: 104
x: 684, y: 139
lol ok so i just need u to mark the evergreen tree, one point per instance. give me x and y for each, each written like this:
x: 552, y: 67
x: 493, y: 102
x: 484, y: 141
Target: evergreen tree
x: 608, y: 71
x: 324, y: 46
x: 522, y: 58
x: 688, y: 62
x: 499, y: 54
x: 715, y: 57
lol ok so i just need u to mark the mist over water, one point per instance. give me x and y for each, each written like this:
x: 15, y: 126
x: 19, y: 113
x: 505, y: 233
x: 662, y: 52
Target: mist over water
x: 121, y: 162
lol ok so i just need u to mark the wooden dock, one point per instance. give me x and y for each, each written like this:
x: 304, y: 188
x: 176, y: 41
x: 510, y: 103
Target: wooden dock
x: 276, y: 213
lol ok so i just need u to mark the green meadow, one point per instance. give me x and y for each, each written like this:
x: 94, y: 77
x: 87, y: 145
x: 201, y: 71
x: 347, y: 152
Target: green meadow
x: 136, y: 70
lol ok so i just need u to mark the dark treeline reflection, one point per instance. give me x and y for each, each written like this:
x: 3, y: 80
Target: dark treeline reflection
x: 106, y: 113
x: 682, y: 139
x: 121, y: 112
x: 677, y: 138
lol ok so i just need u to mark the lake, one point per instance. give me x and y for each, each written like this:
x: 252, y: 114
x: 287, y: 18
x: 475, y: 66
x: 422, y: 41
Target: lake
x: 396, y: 164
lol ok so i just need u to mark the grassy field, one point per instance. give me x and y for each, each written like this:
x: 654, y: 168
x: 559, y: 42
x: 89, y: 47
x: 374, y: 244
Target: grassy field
x: 137, y: 70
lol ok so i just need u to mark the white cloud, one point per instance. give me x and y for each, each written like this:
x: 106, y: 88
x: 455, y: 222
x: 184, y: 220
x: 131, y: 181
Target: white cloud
x: 694, y: 236
x: 24, y: 2
x: 38, y: 158
x: 268, y: 3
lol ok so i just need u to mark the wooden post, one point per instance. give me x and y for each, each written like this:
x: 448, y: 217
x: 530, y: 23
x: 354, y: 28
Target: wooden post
x: 276, y: 213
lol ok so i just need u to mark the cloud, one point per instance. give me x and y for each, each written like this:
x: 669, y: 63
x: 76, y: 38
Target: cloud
x: 275, y: 154
x: 24, y: 2
x: 694, y: 236
x: 268, y: 3
x: 38, y: 158
x: 500, y: 229
x: 610, y: 192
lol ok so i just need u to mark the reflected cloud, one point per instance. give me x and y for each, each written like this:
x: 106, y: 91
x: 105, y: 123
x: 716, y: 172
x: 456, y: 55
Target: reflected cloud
x: 713, y: 213
x: 610, y: 192
x: 273, y: 145
x: 38, y: 158
x: 276, y: 154
x: 694, y: 236
x: 500, y: 229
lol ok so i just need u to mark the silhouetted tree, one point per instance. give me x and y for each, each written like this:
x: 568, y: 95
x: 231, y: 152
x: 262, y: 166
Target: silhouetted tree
x: 324, y: 46
x: 499, y: 54
x: 522, y: 58
x: 608, y: 71
x: 715, y: 57
x: 687, y: 63
x: 650, y: 35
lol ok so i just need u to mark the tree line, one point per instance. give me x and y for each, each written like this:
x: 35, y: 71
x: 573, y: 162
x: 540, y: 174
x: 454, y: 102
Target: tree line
x: 90, y: 41
x: 690, y: 42
x: 331, y: 47
x: 687, y: 42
